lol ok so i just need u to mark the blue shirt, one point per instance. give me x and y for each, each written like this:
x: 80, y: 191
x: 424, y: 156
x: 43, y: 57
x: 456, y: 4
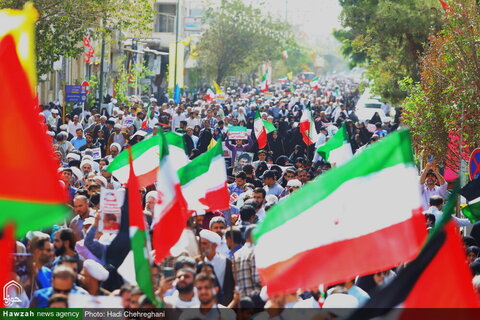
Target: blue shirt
x: 44, y: 277
x: 78, y: 143
x: 41, y: 296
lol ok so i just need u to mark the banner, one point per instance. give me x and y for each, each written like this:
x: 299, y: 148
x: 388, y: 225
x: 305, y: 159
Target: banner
x: 111, y: 202
x: 237, y: 132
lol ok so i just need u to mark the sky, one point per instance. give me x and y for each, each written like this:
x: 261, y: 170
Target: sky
x: 314, y: 17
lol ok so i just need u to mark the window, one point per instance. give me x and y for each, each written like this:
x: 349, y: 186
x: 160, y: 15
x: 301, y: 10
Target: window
x: 165, y: 20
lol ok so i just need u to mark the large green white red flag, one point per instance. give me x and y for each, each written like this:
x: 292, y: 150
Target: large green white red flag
x: 307, y: 126
x: 351, y: 213
x: 264, y: 84
x: 204, y: 181
x: 170, y: 214
x: 261, y: 129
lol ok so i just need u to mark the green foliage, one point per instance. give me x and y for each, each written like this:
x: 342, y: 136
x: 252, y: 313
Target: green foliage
x: 124, y: 79
x: 62, y: 24
x: 450, y: 82
x: 239, y: 38
x: 387, y: 36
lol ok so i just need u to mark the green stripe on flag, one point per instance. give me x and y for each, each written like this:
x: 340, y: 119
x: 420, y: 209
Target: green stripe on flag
x: 175, y: 139
x: 269, y: 127
x: 142, y: 265
x: 122, y: 159
x: 334, y: 142
x: 200, y: 164
x: 31, y: 216
x: 392, y: 150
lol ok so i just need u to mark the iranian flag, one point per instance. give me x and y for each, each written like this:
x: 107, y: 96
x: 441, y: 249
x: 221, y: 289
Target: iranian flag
x: 170, y: 214
x: 29, y: 156
x: 351, y: 213
x: 307, y: 126
x: 204, y: 181
x: 139, y: 239
x: 314, y: 83
x: 145, y: 159
x: 262, y: 128
x: 176, y: 149
x: 145, y: 162
x: 337, y: 149
x: 147, y: 117
x: 264, y: 84
x: 210, y: 96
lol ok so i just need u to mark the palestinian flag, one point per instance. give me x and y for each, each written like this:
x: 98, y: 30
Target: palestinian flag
x: 262, y: 128
x: 139, y: 239
x: 204, y: 181
x: 307, y: 126
x: 145, y: 162
x: 418, y: 285
x: 41, y: 203
x: 471, y: 192
x: 210, y: 96
x: 314, y: 84
x: 337, y: 149
x: 264, y: 84
x: 171, y: 215
x: 341, y: 216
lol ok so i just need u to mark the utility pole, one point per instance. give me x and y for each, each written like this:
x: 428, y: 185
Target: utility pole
x: 102, y: 56
x: 286, y: 10
x: 176, y: 44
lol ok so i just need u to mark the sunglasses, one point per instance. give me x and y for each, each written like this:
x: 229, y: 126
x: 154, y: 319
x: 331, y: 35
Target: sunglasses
x: 66, y: 292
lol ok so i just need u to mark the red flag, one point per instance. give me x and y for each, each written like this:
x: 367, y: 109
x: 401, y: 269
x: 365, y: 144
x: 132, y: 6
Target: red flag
x: 6, y: 267
x: 446, y: 7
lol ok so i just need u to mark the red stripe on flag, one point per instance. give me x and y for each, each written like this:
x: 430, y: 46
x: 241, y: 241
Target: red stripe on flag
x: 168, y: 230
x: 148, y: 178
x: 135, y: 212
x: 343, y: 260
x: 262, y: 139
x: 217, y: 199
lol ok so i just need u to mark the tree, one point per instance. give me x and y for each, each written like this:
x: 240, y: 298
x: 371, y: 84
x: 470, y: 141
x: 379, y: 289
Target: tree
x: 387, y: 36
x: 62, y: 24
x: 445, y: 104
x: 239, y: 38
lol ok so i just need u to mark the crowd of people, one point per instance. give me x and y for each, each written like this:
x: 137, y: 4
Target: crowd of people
x: 212, y: 267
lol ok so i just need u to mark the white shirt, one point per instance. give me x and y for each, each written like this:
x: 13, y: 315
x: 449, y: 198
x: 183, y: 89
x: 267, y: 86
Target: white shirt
x: 219, y: 263
x: 438, y: 214
x: 176, y: 302
x: 176, y: 120
x: 427, y: 193
x: 72, y: 128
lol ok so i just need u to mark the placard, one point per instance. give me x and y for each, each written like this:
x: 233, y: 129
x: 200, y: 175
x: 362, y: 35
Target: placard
x: 128, y: 121
x: 111, y: 202
x: 96, y: 153
x: 237, y: 132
